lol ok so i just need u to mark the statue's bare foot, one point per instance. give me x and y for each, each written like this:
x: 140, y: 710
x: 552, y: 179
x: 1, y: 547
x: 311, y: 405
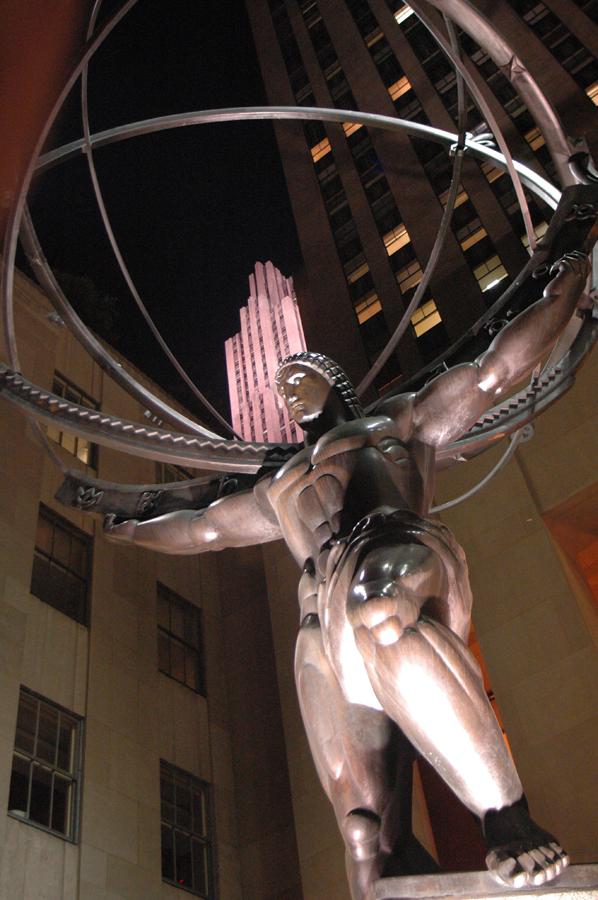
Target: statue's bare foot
x: 521, y: 854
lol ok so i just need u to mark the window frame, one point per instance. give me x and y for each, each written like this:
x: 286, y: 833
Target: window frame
x: 83, y: 399
x: 59, y: 521
x: 208, y: 840
x: 75, y: 776
x: 172, y: 597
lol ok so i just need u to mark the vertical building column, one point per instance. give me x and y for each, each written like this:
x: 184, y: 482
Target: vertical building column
x: 325, y: 330
x: 406, y: 177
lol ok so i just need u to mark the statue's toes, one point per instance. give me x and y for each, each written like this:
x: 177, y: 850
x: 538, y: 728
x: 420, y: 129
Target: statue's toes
x: 527, y: 868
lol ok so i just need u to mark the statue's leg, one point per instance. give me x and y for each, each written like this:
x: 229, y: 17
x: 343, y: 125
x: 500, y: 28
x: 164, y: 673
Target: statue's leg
x: 360, y: 758
x: 428, y: 682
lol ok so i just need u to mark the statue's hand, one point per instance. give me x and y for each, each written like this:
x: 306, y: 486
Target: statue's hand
x: 122, y: 531
x: 576, y: 262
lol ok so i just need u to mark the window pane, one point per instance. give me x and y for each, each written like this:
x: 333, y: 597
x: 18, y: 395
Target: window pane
x: 177, y: 661
x: 72, y: 600
x: 184, y: 871
x: 39, y: 576
x: 191, y: 668
x: 183, y: 803
x: 68, y: 442
x: 191, y: 632
x: 200, y: 867
x: 163, y: 611
x: 66, y: 743
x: 61, y: 804
x: 41, y: 794
x: 47, y: 733
x: 163, y: 652
x: 167, y: 854
x: 43, y: 536
x: 26, y: 718
x: 177, y: 625
x: 167, y: 795
x: 62, y: 547
x: 83, y: 450
x: 78, y: 558
x: 199, y: 817
x: 19, y: 786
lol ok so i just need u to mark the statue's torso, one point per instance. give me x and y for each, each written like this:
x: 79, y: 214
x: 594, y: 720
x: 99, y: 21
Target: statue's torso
x: 356, y: 467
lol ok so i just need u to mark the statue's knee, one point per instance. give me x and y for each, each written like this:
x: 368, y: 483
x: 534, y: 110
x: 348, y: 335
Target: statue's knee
x: 361, y: 833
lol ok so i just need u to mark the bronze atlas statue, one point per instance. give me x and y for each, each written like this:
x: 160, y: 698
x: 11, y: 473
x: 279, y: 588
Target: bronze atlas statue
x: 382, y: 664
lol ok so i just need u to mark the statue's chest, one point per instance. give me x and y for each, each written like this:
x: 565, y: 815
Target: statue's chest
x: 310, y: 493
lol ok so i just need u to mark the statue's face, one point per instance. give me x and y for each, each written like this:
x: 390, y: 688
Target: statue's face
x: 304, y: 392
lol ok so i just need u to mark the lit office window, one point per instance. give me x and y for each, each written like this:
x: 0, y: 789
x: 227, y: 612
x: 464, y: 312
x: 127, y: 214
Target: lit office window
x: 535, y: 138
x: 461, y: 197
x: 78, y: 446
x: 187, y: 831
x: 539, y: 230
x: 592, y: 92
x: 180, y: 651
x: 403, y: 13
x: 44, y: 784
x: 409, y: 277
x: 368, y: 307
x: 61, y: 565
x: 320, y: 150
x: 399, y: 88
x: 425, y: 317
x: 491, y: 172
x: 351, y: 127
x: 396, y: 238
x: 489, y: 273
x: 476, y: 233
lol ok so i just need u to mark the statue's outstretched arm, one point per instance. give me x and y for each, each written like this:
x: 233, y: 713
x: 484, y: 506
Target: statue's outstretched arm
x: 450, y: 404
x: 237, y: 520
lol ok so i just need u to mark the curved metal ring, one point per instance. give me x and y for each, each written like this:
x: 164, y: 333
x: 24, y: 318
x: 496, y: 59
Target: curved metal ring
x: 455, y: 9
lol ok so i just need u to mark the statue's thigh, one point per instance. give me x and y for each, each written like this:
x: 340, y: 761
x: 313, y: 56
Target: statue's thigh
x: 392, y: 586
x: 350, y: 743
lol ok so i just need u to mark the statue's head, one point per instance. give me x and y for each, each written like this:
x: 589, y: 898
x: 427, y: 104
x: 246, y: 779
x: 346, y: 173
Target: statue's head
x: 312, y: 386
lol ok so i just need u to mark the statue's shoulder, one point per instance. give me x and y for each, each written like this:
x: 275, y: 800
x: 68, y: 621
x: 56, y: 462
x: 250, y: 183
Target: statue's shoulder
x: 293, y: 467
x: 366, y: 432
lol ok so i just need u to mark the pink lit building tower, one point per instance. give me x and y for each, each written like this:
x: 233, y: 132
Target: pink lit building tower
x: 270, y: 330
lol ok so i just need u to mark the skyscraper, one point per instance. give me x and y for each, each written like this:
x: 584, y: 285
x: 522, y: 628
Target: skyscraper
x: 270, y: 330
x: 368, y: 204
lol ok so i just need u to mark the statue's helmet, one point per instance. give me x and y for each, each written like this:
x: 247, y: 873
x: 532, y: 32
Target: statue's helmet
x: 331, y: 372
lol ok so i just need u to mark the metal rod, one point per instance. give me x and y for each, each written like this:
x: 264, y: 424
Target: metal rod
x: 90, y: 343
x: 116, y: 249
x: 471, y: 20
x: 489, y: 116
x: 539, y: 185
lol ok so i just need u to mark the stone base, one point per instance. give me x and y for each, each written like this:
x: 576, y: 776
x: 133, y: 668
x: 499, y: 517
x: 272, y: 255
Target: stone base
x: 579, y: 882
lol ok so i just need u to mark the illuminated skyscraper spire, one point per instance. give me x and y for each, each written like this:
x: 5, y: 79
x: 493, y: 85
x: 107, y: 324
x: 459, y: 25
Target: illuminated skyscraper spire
x: 270, y: 330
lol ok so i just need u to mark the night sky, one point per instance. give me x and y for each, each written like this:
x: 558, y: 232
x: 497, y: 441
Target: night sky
x: 192, y: 208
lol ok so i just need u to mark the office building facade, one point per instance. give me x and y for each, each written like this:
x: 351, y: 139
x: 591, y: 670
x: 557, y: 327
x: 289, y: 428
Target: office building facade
x: 126, y: 679
x: 270, y: 330
x: 368, y: 204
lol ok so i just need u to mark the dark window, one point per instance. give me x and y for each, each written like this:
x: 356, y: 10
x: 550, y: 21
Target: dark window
x: 61, y: 565
x: 44, y: 784
x: 187, y: 842
x: 77, y: 445
x: 179, y: 640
